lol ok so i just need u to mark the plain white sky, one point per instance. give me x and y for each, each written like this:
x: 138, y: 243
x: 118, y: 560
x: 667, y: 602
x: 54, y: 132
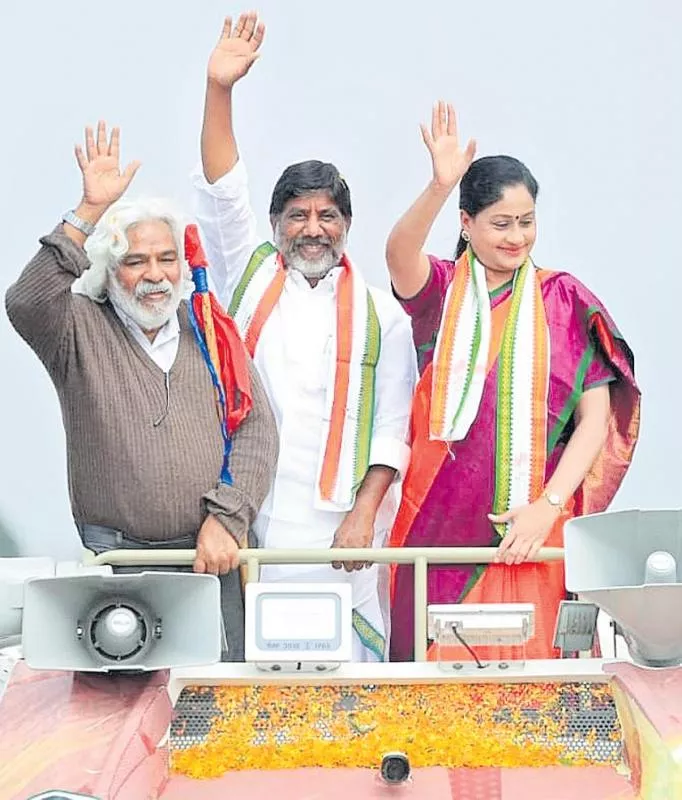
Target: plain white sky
x: 586, y: 93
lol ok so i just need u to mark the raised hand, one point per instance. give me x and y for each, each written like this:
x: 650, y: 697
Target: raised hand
x: 237, y: 50
x: 450, y: 162
x: 103, y: 181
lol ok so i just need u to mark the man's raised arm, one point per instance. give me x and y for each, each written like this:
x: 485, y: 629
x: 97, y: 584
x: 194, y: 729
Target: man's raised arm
x: 222, y: 203
x: 39, y: 305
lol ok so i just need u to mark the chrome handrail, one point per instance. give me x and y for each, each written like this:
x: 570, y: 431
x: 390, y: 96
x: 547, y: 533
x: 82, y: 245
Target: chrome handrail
x: 420, y: 557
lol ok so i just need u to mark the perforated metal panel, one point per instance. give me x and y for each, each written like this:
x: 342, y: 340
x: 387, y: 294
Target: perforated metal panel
x: 449, y: 725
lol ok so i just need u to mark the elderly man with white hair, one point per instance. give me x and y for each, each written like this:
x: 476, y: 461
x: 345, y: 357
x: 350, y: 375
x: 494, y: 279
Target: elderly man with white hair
x: 101, y: 306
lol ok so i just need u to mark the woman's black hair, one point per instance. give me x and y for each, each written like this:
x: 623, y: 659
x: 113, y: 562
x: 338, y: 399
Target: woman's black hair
x: 307, y: 177
x: 484, y: 183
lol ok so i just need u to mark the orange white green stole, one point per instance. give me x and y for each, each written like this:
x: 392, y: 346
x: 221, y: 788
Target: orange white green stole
x: 459, y: 375
x: 344, y: 459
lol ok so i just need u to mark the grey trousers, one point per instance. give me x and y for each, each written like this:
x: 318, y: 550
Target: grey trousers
x: 100, y: 539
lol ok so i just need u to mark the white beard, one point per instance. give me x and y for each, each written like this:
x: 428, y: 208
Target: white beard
x: 317, y: 268
x: 148, y: 317
x: 312, y: 269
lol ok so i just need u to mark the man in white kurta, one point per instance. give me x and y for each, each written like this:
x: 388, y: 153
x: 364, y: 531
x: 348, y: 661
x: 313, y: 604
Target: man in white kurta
x: 296, y: 347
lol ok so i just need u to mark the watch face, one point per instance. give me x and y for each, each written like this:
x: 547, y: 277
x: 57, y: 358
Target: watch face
x: 554, y: 499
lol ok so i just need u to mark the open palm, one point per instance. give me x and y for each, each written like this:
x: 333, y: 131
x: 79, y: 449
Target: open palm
x: 450, y: 162
x: 103, y: 181
x: 237, y: 50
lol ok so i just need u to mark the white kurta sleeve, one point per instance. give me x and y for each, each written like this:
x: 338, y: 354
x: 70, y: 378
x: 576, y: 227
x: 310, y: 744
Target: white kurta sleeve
x: 228, y: 226
x: 396, y: 376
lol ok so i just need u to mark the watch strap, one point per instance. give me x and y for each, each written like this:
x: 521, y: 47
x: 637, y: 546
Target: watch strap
x: 80, y: 224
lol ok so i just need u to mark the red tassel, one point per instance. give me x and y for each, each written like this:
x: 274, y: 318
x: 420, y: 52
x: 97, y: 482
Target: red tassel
x: 234, y: 363
x: 194, y: 250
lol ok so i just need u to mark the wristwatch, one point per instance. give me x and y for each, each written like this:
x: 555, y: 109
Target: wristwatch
x: 80, y: 224
x: 554, y: 500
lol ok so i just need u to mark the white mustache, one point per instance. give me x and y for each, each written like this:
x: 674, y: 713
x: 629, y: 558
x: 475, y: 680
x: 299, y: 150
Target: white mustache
x: 321, y: 242
x: 144, y: 288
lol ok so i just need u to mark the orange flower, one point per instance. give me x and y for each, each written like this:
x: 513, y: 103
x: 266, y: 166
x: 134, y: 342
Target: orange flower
x: 448, y: 725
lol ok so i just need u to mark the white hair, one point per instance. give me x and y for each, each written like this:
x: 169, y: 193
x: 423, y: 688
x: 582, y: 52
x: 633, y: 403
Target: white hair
x: 109, y: 243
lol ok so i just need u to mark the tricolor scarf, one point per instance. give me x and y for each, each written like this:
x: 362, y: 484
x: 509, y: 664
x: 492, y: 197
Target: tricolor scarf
x: 221, y: 347
x: 460, y: 369
x: 349, y: 409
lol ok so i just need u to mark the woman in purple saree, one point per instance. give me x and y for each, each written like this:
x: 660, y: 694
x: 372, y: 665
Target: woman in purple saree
x: 526, y: 412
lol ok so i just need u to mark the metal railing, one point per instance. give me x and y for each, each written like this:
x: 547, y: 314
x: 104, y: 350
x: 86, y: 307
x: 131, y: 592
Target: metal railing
x: 419, y: 557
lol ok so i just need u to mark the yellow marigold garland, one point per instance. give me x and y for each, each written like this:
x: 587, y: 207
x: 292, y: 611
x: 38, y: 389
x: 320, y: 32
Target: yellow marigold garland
x: 448, y: 725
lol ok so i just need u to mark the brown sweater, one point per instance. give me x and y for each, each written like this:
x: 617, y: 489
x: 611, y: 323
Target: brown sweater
x: 151, y: 482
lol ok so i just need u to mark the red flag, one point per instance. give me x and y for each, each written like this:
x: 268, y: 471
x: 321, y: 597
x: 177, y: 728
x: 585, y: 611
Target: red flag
x: 232, y: 354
